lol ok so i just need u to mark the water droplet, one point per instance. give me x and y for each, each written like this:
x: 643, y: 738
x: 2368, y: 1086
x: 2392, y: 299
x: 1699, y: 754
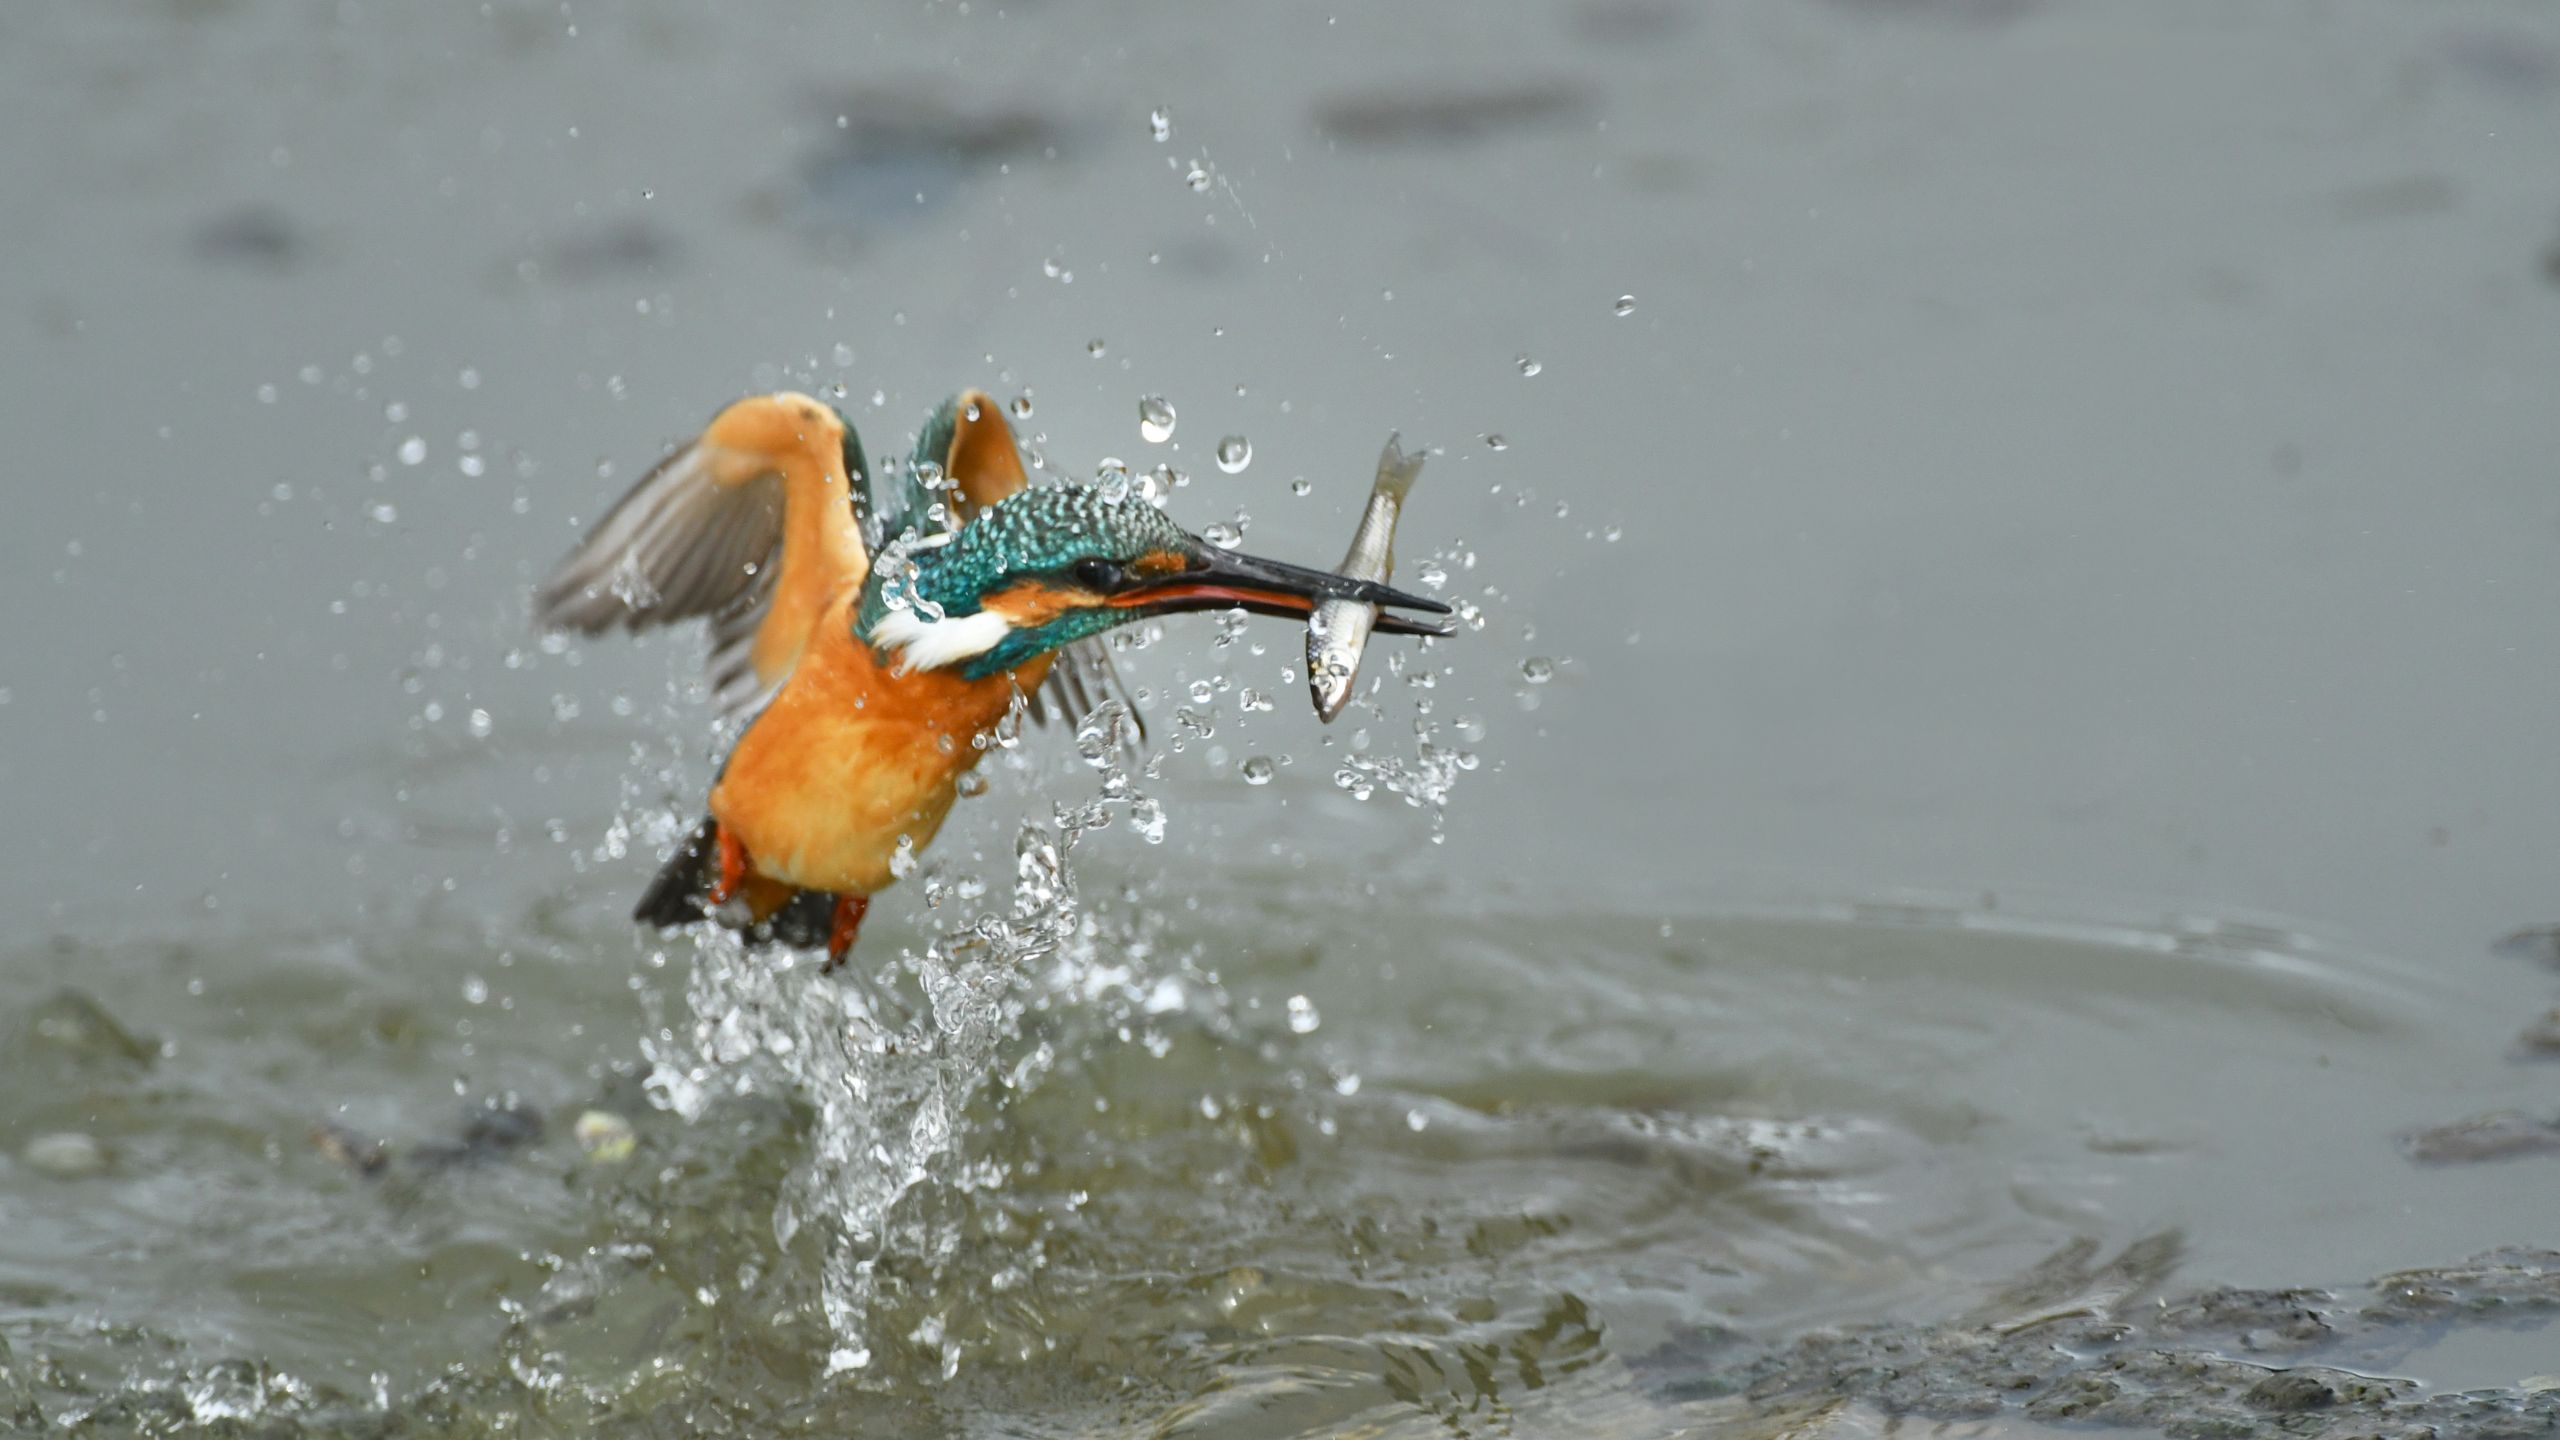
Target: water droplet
x: 1155, y: 419
x: 1470, y: 728
x: 1146, y: 816
x: 1094, y: 348
x: 1160, y: 124
x: 1197, y: 178
x: 902, y: 862
x: 1537, y: 669
x: 1301, y: 486
x: 267, y: 394
x: 1626, y: 306
x: 843, y: 355
x: 1303, y: 1018
x: 1529, y: 367
x: 1234, y: 453
x: 1222, y: 535
x: 1257, y: 769
x: 1497, y: 442
x: 1432, y: 574
x: 1111, y: 477
x: 413, y: 451
x: 1021, y: 406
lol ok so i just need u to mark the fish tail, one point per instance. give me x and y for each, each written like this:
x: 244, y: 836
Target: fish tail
x: 1397, y: 470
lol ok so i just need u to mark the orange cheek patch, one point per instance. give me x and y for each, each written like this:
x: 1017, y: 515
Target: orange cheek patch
x: 1031, y: 604
x: 1159, y: 562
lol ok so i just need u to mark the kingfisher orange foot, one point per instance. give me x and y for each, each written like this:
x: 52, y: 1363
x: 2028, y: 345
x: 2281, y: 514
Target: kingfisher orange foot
x: 733, y: 869
x: 846, y: 924
x: 863, y: 691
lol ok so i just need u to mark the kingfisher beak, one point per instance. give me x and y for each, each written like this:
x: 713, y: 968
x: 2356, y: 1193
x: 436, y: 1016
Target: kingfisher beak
x: 1224, y: 580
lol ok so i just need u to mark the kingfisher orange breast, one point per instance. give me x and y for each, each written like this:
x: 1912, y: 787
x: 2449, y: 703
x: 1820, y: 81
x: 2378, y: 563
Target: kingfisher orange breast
x: 849, y: 756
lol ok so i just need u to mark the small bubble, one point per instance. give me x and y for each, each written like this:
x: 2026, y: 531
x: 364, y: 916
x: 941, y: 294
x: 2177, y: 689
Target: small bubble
x: 267, y: 394
x: 1470, y: 728
x: 843, y: 355
x: 902, y: 861
x: 469, y: 379
x: 1197, y: 178
x: 1303, y: 1018
x: 1021, y: 406
x: 1497, y: 442
x: 1301, y: 486
x: 1094, y: 348
x: 1257, y: 769
x: 1626, y: 306
x: 1537, y: 669
x: 1234, y: 453
x: 1155, y: 419
x: 413, y: 451
x: 1160, y: 124
x: 1528, y: 366
x: 1222, y: 535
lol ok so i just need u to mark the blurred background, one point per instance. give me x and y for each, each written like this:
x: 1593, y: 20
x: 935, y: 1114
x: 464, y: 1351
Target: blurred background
x: 2011, y: 698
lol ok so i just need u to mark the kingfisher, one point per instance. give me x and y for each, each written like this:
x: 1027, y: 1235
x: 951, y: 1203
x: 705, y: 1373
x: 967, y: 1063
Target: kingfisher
x: 869, y: 630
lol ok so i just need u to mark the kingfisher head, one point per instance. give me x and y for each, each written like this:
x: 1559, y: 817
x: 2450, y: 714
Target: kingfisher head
x: 1048, y: 567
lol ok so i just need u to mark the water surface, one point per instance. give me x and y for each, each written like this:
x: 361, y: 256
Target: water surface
x: 2045, y: 595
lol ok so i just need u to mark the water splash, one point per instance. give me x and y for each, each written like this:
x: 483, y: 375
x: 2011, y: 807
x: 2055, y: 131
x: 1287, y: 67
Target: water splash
x: 1425, y: 776
x: 888, y: 1090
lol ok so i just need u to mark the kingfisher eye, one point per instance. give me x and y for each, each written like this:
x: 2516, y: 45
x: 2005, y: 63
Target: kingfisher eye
x: 1098, y: 574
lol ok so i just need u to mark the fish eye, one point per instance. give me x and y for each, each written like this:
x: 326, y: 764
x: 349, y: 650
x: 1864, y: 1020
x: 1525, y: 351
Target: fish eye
x: 1098, y: 574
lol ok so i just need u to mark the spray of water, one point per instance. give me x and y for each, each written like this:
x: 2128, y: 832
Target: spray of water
x: 888, y: 1089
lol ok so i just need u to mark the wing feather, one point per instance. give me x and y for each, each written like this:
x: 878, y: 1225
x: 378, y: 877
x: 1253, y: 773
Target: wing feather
x: 678, y: 547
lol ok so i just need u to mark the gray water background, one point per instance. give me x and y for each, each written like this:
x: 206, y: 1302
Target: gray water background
x: 2088, y: 462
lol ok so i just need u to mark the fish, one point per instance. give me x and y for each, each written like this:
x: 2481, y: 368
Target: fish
x: 1338, y: 630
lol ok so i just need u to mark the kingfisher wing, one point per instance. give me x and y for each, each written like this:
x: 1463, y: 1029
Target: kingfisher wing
x: 683, y: 546
x: 965, y: 456
x: 970, y: 450
x: 1080, y: 680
